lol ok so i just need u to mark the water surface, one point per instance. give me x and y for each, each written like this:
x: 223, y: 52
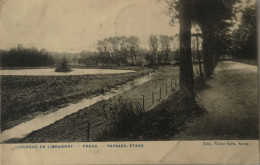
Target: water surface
x: 51, y: 72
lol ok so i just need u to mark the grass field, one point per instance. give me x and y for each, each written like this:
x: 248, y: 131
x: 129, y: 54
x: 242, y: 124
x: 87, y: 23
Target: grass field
x: 23, y: 97
x: 106, y: 120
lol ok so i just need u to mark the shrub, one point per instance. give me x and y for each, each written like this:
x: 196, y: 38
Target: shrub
x: 139, y: 63
x: 63, y: 66
x: 123, y: 115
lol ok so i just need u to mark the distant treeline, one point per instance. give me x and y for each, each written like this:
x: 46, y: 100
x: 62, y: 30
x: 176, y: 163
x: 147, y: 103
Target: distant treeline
x: 25, y: 57
x: 112, y: 51
x: 123, y: 51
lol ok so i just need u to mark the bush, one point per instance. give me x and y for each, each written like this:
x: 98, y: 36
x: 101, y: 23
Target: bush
x: 177, y: 55
x: 63, y: 66
x: 139, y: 63
x: 126, y: 115
x: 123, y: 115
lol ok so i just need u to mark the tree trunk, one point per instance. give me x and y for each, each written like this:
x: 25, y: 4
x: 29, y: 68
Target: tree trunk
x: 186, y: 70
x: 207, y: 52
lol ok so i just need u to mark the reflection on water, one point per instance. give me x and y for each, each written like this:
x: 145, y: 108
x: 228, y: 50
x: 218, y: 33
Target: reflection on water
x: 41, y: 121
x: 51, y: 72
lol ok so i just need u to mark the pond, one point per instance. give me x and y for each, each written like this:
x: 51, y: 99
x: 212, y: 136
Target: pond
x: 51, y: 72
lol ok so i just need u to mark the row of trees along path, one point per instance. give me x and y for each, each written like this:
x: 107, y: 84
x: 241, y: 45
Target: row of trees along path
x: 214, y: 29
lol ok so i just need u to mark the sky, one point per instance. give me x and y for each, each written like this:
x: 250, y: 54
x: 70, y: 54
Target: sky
x: 76, y: 25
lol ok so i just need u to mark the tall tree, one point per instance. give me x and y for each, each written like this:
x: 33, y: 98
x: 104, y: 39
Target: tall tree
x: 133, y: 46
x: 186, y: 71
x: 116, y: 50
x: 244, y: 41
x: 165, y: 47
x: 154, y: 44
x: 213, y: 17
x: 124, y: 52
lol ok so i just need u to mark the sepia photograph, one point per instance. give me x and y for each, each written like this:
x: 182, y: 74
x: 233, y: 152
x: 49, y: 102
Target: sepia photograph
x: 138, y: 71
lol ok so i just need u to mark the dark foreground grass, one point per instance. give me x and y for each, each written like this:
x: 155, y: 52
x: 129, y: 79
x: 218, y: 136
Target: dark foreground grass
x: 107, y: 119
x: 160, y: 123
x: 23, y: 97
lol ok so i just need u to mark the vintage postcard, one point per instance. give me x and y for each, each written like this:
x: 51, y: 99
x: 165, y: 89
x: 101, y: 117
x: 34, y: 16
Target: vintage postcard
x: 129, y: 82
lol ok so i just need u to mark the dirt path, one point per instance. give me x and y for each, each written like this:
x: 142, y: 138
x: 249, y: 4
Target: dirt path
x: 231, y: 100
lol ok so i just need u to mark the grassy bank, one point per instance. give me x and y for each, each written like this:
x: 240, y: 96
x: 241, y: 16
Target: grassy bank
x: 23, y: 97
x: 105, y: 119
x: 162, y: 122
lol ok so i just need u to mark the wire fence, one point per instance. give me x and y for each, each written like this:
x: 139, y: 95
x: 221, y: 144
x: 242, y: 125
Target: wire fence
x: 145, y: 101
x: 147, y: 98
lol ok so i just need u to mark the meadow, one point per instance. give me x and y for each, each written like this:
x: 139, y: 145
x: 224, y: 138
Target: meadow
x: 24, y: 97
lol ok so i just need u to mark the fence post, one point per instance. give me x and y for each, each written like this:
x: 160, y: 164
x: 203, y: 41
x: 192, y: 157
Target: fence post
x: 153, y: 97
x: 143, y: 102
x: 131, y: 105
x: 160, y: 92
x: 88, y: 131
